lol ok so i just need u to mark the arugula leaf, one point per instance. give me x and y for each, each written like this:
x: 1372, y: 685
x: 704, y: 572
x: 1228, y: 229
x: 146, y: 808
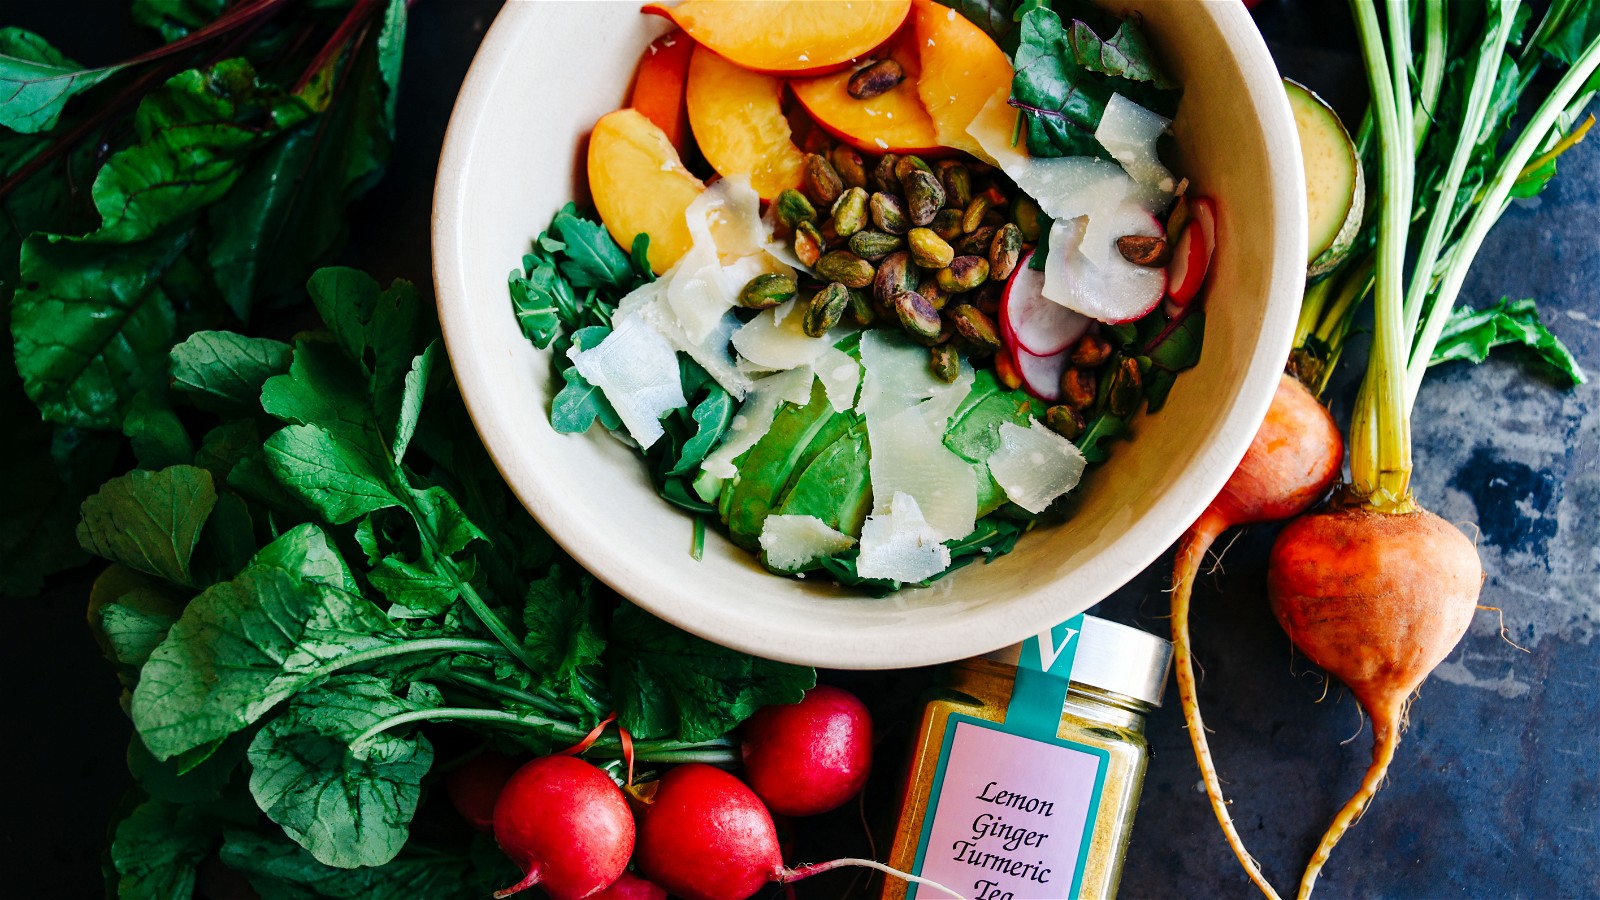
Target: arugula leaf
x: 150, y: 521
x: 669, y: 683
x: 225, y: 371
x: 542, y: 299
x: 36, y: 81
x: 280, y: 870
x: 564, y: 639
x: 243, y: 646
x: 712, y: 415
x: 1471, y: 333
x: 578, y: 405
x: 157, y: 850
x: 1100, y: 429
x: 593, y: 259
x: 1178, y: 349
x: 349, y: 805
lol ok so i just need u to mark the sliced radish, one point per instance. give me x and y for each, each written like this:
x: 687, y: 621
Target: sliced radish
x: 1118, y: 291
x: 1191, y: 258
x: 1029, y: 321
x: 1041, y: 375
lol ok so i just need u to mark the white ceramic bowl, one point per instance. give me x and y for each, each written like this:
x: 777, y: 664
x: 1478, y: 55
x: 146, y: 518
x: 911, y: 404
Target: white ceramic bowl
x: 513, y: 155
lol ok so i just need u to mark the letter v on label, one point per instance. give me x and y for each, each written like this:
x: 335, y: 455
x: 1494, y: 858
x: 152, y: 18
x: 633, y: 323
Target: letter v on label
x: 1050, y: 651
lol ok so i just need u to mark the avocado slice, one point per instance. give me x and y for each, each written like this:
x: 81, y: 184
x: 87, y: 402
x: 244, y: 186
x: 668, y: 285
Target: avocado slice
x: 974, y: 432
x: 767, y: 469
x: 835, y: 487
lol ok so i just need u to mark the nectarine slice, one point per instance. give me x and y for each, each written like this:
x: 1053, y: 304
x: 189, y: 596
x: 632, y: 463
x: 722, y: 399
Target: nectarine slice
x: 893, y: 121
x: 640, y: 186
x: 658, y: 86
x: 788, y: 37
x: 962, y: 67
x: 737, y: 117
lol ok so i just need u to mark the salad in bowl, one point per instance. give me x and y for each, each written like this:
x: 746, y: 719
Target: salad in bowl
x: 867, y: 292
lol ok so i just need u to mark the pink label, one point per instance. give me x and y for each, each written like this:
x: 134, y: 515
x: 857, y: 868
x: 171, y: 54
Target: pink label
x: 1010, y: 816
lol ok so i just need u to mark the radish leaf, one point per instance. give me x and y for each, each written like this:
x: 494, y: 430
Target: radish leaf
x: 348, y: 804
x: 150, y: 521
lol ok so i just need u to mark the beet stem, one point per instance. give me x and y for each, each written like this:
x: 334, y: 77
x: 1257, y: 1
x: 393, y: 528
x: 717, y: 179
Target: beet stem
x: 789, y: 876
x: 1386, y: 737
x: 1191, y: 552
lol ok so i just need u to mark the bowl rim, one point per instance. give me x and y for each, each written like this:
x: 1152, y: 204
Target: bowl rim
x: 1155, y: 531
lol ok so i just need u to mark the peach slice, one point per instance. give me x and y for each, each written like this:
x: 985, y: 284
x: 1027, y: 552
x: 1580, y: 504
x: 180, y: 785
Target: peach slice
x: 738, y: 121
x: 788, y: 37
x: 962, y: 68
x: 893, y: 121
x: 640, y: 186
x: 658, y: 86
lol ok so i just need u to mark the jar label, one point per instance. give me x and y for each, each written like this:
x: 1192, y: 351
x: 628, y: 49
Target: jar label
x: 1009, y: 817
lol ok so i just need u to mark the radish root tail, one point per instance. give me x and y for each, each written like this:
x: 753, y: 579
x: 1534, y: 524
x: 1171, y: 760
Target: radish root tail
x: 1386, y: 737
x: 806, y: 871
x: 528, y: 881
x: 1191, y: 552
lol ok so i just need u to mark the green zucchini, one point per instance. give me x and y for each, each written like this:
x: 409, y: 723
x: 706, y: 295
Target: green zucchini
x: 1335, y: 188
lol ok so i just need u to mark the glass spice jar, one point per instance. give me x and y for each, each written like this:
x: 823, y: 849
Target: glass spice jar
x: 1028, y: 766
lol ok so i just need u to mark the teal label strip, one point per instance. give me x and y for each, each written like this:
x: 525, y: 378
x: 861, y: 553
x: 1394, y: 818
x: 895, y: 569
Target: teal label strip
x: 1044, y: 670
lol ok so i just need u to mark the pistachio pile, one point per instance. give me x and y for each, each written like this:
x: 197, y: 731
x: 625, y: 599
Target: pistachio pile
x: 926, y: 248
x: 1096, y: 380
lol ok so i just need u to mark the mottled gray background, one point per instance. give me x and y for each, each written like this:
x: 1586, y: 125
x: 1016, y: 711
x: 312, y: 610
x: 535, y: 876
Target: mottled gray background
x: 1496, y: 791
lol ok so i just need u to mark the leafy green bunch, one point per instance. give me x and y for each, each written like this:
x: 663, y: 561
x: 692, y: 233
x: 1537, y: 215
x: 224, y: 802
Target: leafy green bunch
x: 313, y: 571
x: 189, y: 188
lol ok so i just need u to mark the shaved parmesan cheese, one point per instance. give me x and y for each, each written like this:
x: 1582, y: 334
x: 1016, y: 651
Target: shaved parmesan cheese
x: 1065, y: 187
x: 637, y: 370
x: 1118, y: 290
x: 898, y: 545
x: 1034, y: 465
x: 897, y: 377
x: 727, y: 216
x: 696, y: 291
x: 840, y: 375
x: 909, y: 457
x: 754, y: 418
x: 713, y: 354
x: 791, y: 543
x: 775, y: 340
x: 1128, y: 131
x: 907, y: 410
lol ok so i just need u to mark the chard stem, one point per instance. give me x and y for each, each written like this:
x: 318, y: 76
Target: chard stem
x: 1380, y: 435
x: 1498, y: 195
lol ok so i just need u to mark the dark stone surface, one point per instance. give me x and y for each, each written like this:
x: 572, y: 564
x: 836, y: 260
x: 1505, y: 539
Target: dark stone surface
x: 1495, y: 791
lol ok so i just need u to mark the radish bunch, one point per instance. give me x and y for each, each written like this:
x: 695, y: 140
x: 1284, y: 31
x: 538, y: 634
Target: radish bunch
x: 702, y: 834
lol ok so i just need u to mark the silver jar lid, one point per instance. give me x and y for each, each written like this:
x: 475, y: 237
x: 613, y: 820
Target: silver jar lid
x: 1114, y: 658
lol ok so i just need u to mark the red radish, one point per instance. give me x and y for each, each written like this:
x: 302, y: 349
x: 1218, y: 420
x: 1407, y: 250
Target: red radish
x: 566, y: 824
x: 631, y: 887
x: 1377, y: 599
x: 474, y: 786
x: 705, y: 836
x: 1041, y: 375
x: 1191, y: 256
x: 1290, y: 464
x: 806, y: 758
x: 1030, y: 322
x: 1112, y: 290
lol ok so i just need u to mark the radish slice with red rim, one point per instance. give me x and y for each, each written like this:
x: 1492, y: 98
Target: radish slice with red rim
x: 1191, y: 257
x: 1041, y: 375
x: 1030, y: 322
